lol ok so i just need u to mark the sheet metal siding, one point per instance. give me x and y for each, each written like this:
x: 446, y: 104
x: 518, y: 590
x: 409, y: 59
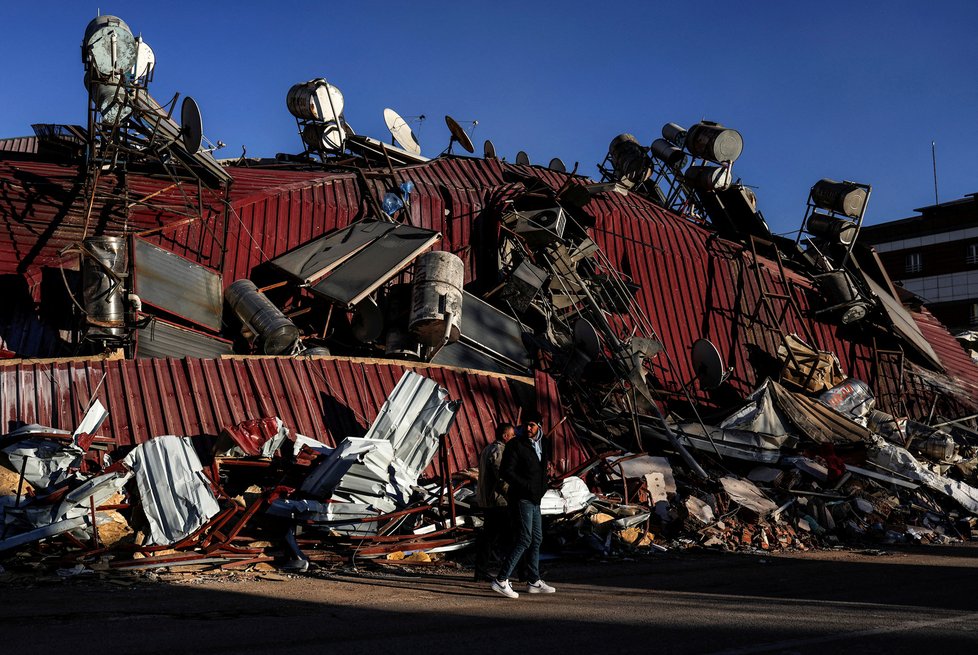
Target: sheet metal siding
x: 328, y: 399
x: 20, y: 144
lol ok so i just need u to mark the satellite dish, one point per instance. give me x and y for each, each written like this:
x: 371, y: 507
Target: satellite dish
x: 522, y: 158
x: 191, y: 125
x: 586, y: 338
x: 401, y: 131
x: 557, y: 165
x: 368, y: 321
x: 488, y: 150
x: 458, y: 135
x: 109, y: 46
x: 707, y: 364
x: 145, y: 60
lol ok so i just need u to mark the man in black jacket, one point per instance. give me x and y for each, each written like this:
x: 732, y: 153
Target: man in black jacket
x: 524, y: 470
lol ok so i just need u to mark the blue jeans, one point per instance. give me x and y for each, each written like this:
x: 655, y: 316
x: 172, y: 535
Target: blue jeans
x: 528, y: 539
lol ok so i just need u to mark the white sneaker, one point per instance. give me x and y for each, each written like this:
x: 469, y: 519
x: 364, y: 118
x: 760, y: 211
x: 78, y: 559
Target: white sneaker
x: 503, y: 587
x: 540, y: 587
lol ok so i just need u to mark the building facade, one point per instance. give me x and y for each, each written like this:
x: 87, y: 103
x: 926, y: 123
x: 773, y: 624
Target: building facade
x: 935, y: 255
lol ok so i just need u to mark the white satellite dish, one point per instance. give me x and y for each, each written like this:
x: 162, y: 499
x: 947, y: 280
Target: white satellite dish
x: 488, y: 150
x: 556, y: 164
x: 708, y: 365
x: 522, y: 158
x: 401, y: 131
x: 145, y: 60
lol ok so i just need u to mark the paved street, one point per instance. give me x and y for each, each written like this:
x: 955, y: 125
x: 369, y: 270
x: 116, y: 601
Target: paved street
x: 906, y: 601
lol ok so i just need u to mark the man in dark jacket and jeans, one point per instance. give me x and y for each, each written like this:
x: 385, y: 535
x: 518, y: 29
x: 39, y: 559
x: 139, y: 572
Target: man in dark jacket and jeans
x: 525, y: 471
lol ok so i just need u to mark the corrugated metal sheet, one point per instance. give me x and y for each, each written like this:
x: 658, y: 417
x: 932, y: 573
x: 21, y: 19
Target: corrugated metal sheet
x: 22, y: 144
x: 328, y: 399
x: 173, y: 283
x: 161, y: 339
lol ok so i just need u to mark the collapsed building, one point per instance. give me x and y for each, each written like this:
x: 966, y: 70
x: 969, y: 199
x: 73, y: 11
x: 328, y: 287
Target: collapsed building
x: 255, y: 360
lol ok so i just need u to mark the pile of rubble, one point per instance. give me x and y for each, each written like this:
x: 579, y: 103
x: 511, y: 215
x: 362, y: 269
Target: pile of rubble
x: 834, y: 471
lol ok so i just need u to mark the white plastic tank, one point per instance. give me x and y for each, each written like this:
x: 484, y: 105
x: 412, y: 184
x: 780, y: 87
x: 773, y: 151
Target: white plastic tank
x: 436, y: 305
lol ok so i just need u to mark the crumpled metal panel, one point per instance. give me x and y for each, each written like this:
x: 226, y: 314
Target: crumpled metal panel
x: 175, y: 495
x: 414, y: 417
x: 326, y: 477
x: 45, y: 462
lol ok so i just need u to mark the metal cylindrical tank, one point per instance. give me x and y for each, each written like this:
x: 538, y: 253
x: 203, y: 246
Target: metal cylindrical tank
x: 714, y: 142
x: 103, y: 293
x: 630, y: 160
x: 674, y: 134
x: 672, y: 156
x: 324, y: 136
x: 842, y: 197
x: 315, y: 100
x: 436, y: 302
x: 108, y: 46
x: 110, y: 99
x: 708, y: 178
x: 833, y: 229
x: 276, y: 334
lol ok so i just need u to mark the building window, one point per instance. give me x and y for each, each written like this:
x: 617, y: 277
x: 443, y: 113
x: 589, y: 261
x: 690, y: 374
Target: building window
x: 973, y: 319
x: 914, y: 263
x: 972, y: 257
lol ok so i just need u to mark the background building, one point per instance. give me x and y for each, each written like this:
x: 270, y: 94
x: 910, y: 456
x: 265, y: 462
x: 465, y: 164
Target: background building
x: 935, y: 255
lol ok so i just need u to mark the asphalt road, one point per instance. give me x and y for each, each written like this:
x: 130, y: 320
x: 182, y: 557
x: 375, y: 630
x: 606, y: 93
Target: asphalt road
x: 919, y: 601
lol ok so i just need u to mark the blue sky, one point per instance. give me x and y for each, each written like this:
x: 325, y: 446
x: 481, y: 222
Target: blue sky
x: 847, y: 90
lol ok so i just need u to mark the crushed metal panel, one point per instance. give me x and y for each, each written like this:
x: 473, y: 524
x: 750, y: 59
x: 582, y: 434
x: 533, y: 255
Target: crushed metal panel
x: 323, y: 480
x: 816, y: 420
x: 175, y: 494
x: 747, y: 495
x: 413, y: 418
x: 177, y: 285
x: 44, y: 462
x: 161, y: 339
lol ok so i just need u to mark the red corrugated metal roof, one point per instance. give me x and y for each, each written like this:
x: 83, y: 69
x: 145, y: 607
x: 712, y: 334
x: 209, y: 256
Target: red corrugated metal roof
x: 328, y: 399
x: 692, y: 284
